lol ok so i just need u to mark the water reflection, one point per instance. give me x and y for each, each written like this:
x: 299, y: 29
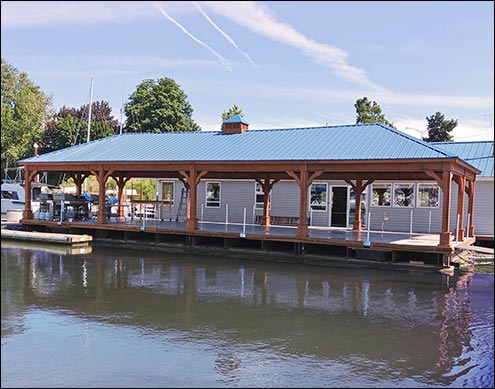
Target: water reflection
x: 335, y: 327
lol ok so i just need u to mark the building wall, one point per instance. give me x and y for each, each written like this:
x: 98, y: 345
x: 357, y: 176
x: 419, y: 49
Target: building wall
x: 392, y: 218
x: 240, y: 194
x: 483, y: 207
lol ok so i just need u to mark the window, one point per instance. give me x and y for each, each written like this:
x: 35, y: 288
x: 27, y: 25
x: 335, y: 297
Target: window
x: 259, y: 196
x: 8, y: 194
x: 428, y: 195
x: 213, y: 194
x: 36, y: 194
x: 381, y: 195
x: 403, y: 195
x: 318, y: 199
x: 168, y: 193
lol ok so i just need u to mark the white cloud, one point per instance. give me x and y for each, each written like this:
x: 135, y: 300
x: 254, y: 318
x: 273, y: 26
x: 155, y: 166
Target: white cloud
x: 225, y: 35
x: 261, y: 122
x: 80, y: 64
x: 434, y: 100
x: 222, y: 59
x: 250, y: 89
x: 20, y: 14
x: 259, y: 19
x: 466, y: 130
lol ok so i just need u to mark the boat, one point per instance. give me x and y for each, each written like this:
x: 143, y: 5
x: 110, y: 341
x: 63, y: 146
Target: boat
x: 14, y: 194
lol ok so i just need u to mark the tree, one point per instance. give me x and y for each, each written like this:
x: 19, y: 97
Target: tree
x: 24, y: 110
x: 369, y: 112
x: 69, y: 126
x: 60, y: 131
x: 439, y: 129
x: 103, y: 123
x: 234, y: 110
x: 159, y: 106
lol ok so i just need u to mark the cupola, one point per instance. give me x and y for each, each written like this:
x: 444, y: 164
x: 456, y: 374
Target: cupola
x: 235, y: 125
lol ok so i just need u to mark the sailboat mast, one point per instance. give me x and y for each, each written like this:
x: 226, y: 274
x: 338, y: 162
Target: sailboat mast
x: 122, y: 108
x: 89, y: 119
x: 89, y: 111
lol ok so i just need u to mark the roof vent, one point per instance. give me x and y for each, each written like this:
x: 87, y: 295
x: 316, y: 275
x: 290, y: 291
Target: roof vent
x: 235, y: 125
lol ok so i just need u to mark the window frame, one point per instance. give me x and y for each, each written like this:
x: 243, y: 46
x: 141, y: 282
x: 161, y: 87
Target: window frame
x: 391, y: 187
x: 165, y: 201
x: 209, y: 203
x: 419, y: 184
x: 413, y: 202
x: 324, y: 204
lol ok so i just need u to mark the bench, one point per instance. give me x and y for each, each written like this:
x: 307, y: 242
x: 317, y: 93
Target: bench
x: 280, y: 220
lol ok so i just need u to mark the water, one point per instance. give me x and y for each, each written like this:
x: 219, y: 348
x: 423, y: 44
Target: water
x: 121, y: 318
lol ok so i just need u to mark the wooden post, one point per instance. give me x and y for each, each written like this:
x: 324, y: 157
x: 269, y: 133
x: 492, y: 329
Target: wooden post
x: 470, y: 193
x: 79, y: 180
x: 444, y: 182
x: 304, y: 180
x: 121, y: 181
x: 28, y: 174
x: 267, y: 188
x: 461, y: 185
x: 102, y: 217
x: 192, y: 219
x: 358, y: 188
x: 446, y: 189
x: 191, y: 181
x: 102, y: 178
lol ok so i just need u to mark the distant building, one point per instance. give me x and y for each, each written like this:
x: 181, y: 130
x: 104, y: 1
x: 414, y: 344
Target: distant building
x: 480, y: 155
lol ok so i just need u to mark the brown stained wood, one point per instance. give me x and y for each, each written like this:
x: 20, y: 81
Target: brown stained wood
x: 303, y: 172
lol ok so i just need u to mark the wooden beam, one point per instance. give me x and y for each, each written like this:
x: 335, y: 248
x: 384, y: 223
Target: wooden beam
x: 446, y: 188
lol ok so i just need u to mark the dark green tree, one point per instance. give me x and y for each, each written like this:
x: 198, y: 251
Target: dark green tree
x: 24, y: 111
x: 234, y: 110
x: 439, y: 129
x: 60, y: 131
x: 70, y: 125
x: 103, y: 123
x: 159, y: 106
x: 369, y: 112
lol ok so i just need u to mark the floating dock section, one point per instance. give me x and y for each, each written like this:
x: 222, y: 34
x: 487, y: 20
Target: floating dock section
x: 65, y: 239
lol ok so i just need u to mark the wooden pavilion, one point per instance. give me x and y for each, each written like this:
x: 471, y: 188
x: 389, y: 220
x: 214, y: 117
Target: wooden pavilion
x: 357, y: 155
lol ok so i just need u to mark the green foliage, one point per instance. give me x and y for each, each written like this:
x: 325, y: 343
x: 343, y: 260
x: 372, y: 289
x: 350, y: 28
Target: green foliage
x: 159, y: 106
x: 103, y: 123
x: 69, y: 126
x: 60, y: 132
x: 439, y: 129
x: 234, y: 110
x: 369, y: 112
x: 24, y: 109
x: 146, y: 189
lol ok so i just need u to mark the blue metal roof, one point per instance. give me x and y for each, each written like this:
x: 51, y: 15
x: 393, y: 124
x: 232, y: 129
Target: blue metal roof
x: 477, y: 154
x: 353, y: 142
x: 236, y: 119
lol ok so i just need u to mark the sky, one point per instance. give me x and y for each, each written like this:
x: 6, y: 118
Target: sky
x: 286, y: 64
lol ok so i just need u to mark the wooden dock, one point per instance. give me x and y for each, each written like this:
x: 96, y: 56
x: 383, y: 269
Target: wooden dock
x: 48, y: 237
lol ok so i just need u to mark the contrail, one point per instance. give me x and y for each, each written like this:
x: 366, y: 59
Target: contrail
x: 250, y: 60
x: 258, y: 18
x: 223, y: 60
